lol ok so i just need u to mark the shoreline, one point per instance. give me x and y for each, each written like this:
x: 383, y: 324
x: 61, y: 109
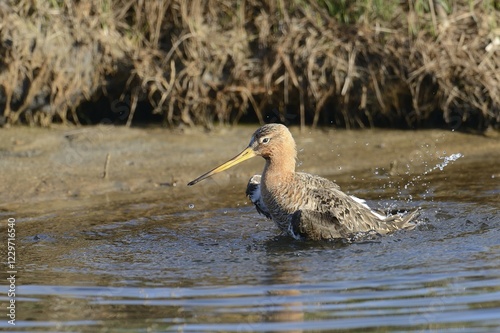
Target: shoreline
x: 65, y: 165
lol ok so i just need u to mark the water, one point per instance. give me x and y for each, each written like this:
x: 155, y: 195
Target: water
x: 210, y: 263
x: 446, y: 160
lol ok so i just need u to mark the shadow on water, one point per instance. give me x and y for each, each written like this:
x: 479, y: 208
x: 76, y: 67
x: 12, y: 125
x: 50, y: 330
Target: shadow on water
x: 168, y: 266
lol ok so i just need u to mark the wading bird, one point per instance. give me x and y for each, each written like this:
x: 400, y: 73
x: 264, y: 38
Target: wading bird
x: 302, y: 205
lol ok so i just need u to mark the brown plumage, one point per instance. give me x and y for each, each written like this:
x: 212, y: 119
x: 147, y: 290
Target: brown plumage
x: 302, y: 205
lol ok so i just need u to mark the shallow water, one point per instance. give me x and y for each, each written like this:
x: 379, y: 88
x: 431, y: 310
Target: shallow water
x: 211, y: 263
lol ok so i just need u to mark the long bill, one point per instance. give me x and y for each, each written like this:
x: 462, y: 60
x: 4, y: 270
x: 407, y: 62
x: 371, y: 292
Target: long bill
x: 243, y: 156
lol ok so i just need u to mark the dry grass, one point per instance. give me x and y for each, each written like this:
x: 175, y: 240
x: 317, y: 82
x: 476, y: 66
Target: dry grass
x: 52, y: 59
x: 200, y: 62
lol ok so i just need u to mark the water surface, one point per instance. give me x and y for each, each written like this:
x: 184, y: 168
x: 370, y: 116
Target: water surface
x: 211, y: 263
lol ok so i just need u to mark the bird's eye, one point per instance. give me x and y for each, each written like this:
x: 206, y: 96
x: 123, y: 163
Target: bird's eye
x: 266, y: 140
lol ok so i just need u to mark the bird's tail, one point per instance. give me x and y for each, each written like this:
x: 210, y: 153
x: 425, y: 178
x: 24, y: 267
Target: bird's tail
x: 404, y: 222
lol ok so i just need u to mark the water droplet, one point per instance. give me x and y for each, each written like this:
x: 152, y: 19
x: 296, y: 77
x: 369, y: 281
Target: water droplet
x: 191, y: 206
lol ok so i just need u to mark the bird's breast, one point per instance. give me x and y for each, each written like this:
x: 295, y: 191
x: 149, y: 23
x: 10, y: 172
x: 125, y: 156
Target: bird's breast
x: 282, y: 200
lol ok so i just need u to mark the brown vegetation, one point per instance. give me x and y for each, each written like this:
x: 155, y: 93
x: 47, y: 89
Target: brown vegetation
x: 199, y: 62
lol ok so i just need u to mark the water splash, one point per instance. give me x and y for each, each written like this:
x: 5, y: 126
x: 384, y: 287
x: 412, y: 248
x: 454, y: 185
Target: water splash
x: 446, y: 160
x: 402, y: 192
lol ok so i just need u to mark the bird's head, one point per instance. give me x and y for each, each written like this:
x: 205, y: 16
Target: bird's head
x: 269, y: 141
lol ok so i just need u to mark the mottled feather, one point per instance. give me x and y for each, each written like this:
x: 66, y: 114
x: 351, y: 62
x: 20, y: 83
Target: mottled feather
x: 318, y: 209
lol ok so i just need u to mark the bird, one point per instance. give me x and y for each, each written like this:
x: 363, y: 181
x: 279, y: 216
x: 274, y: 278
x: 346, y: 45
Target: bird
x: 305, y: 206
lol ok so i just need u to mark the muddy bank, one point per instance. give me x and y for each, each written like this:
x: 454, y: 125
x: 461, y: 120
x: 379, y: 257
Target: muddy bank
x: 47, y: 169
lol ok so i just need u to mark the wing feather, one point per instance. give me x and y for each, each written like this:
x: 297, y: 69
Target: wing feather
x: 254, y: 194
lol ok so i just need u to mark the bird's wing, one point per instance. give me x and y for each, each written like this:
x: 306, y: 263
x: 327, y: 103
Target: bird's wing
x: 350, y: 211
x: 314, y: 225
x: 326, y: 196
x: 354, y: 215
x: 326, y: 212
x: 253, y: 193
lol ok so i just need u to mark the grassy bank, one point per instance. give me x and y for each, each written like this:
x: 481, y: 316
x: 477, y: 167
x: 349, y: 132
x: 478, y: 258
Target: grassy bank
x: 344, y: 63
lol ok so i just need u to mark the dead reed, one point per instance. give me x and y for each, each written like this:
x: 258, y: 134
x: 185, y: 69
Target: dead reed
x: 415, y: 64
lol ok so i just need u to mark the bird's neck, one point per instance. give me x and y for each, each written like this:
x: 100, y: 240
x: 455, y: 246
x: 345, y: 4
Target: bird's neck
x: 279, y: 170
